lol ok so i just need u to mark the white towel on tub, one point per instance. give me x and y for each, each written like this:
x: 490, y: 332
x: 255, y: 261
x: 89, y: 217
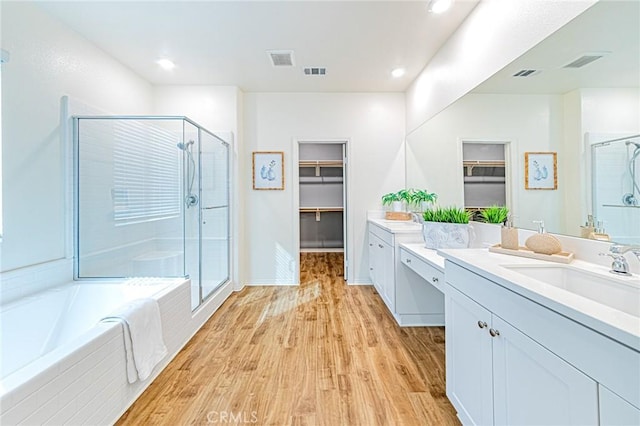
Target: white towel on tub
x: 143, y: 341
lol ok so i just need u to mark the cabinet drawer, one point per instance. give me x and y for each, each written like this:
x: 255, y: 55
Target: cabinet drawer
x: 421, y: 267
x: 384, y: 235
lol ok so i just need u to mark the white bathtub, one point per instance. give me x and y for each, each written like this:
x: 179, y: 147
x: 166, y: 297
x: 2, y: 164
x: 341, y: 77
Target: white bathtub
x: 60, y: 365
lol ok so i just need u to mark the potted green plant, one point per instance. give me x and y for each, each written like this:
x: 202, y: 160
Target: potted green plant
x: 495, y: 214
x: 421, y: 199
x: 392, y: 199
x: 447, y: 227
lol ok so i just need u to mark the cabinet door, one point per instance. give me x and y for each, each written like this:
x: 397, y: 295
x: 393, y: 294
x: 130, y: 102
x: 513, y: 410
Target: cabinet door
x: 533, y: 386
x: 615, y: 411
x: 468, y: 352
x: 389, y: 284
x: 372, y: 259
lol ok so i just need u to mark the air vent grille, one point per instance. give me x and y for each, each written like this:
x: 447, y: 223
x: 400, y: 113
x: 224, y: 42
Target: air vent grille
x: 315, y: 71
x: 281, y: 58
x: 584, y: 60
x: 526, y: 73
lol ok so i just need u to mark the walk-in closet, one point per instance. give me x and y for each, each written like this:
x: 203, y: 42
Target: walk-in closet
x: 322, y: 197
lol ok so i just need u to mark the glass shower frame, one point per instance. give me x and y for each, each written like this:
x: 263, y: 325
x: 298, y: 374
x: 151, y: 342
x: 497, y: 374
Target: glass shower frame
x: 614, y: 187
x: 195, y: 227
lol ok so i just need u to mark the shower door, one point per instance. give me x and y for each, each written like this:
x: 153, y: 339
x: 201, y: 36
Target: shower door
x: 214, y: 213
x: 206, y: 212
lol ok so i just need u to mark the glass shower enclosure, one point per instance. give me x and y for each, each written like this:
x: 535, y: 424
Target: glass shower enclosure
x: 615, y: 173
x: 151, y: 199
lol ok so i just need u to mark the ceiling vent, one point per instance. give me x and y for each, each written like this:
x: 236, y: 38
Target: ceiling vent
x: 315, y: 71
x: 585, y: 59
x: 281, y: 58
x: 527, y: 73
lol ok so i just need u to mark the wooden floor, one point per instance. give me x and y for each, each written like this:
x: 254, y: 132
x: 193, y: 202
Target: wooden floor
x: 323, y: 353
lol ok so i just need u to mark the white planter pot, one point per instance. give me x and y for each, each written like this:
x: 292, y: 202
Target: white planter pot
x: 396, y: 206
x: 447, y: 235
x: 425, y: 205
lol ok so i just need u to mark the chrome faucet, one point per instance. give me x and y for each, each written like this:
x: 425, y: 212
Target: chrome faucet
x: 620, y: 265
x: 622, y: 249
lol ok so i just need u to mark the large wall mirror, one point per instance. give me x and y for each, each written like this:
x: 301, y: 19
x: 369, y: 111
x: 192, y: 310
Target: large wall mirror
x: 576, y: 94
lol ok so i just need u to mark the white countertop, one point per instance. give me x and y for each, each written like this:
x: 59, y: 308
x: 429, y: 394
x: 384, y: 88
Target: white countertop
x: 429, y: 255
x: 618, y: 325
x: 397, y: 226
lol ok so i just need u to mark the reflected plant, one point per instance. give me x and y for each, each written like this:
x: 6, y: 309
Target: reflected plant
x: 495, y: 214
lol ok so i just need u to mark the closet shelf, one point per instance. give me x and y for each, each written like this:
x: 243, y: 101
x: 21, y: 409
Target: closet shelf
x: 318, y: 164
x: 320, y: 179
x: 320, y: 209
x: 321, y: 163
x: 470, y: 164
x: 484, y: 179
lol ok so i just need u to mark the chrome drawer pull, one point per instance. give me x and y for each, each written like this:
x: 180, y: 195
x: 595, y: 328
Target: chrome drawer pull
x: 493, y: 332
x: 482, y: 324
x: 434, y: 279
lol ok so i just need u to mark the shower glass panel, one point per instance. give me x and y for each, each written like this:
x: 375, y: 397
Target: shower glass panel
x: 615, y: 166
x: 151, y: 199
x: 214, y: 213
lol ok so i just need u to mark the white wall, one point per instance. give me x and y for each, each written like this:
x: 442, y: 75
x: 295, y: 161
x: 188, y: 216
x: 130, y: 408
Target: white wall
x: 495, y: 33
x: 213, y: 107
x: 528, y: 122
x: 373, y: 124
x: 48, y: 61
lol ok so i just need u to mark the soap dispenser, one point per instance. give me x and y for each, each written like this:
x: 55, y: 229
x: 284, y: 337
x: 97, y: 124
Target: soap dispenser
x: 542, y: 242
x: 509, y: 235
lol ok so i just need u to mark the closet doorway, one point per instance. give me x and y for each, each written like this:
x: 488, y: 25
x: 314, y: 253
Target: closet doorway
x: 322, y: 198
x: 485, y: 169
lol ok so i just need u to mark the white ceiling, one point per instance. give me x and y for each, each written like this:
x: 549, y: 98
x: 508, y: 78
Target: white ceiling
x: 225, y: 43
x: 608, y: 26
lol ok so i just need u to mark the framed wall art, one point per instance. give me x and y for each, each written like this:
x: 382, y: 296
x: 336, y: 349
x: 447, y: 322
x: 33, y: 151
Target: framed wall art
x: 268, y: 170
x: 540, y: 170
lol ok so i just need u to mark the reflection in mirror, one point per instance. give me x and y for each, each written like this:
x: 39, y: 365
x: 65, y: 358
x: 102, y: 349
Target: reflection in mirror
x: 615, y: 171
x: 560, y: 105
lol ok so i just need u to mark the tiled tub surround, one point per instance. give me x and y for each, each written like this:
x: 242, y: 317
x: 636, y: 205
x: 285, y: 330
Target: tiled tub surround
x: 83, y: 380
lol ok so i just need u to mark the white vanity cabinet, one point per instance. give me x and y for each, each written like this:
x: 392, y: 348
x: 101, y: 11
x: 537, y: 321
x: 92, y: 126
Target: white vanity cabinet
x: 615, y: 411
x: 498, y: 375
x: 411, y: 300
x: 419, y: 287
x: 381, y: 259
x: 512, y: 361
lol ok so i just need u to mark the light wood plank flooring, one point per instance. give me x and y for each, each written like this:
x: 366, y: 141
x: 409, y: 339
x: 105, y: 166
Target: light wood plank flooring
x: 323, y: 353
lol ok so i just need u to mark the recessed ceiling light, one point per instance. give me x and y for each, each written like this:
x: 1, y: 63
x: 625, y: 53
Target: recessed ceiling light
x: 439, y: 6
x: 398, y: 72
x: 166, y: 64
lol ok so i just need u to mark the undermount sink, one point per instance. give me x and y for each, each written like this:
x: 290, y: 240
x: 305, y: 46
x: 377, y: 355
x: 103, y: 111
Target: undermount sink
x: 621, y: 293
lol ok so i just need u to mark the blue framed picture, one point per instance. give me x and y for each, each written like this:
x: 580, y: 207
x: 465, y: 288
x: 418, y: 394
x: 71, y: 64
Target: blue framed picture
x: 540, y: 170
x: 268, y: 170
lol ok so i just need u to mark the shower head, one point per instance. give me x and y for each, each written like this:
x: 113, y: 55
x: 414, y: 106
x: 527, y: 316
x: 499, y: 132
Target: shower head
x: 184, y: 146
